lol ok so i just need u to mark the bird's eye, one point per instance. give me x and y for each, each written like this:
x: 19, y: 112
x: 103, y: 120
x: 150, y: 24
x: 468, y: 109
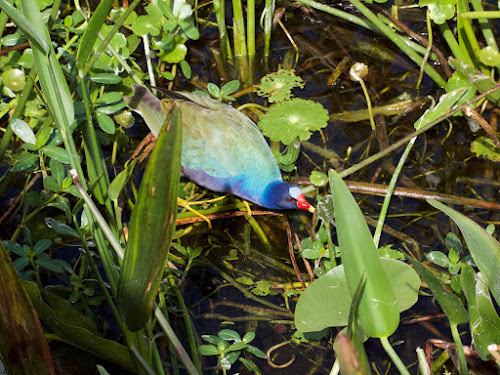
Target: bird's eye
x: 289, y: 199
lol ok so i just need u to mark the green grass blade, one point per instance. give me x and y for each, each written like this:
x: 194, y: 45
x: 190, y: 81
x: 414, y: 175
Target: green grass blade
x: 451, y: 305
x: 92, y: 32
x: 151, y: 226
x: 52, y: 79
x: 378, y: 308
x: 26, y: 26
x: 485, y: 250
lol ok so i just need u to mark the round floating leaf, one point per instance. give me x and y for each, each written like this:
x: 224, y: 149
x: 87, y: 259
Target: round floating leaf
x: 176, y: 55
x: 278, y: 86
x: 489, y: 56
x: 143, y: 25
x: 294, y: 118
x: 318, y: 178
x: 441, y: 10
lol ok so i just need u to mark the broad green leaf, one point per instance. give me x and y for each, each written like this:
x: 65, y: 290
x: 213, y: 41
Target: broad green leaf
x: 445, y: 104
x: 91, y: 33
x: 229, y: 334
x: 57, y: 170
x: 41, y: 246
x: 439, y: 258
x: 143, y: 25
x: 249, y: 336
x: 483, y: 318
x: 440, y: 10
x: 106, y: 78
x: 109, y: 98
x: 208, y: 350
x: 481, y: 81
x: 25, y: 161
x: 489, y: 56
x: 60, y: 227
x: 278, y: 86
x: 286, y: 121
x: 256, y: 351
x: 50, y: 183
x: 378, y: 307
x: 327, y: 301
x: 106, y: 123
x: 451, y: 305
x: 56, y: 153
x: 23, y: 131
x: 484, y: 146
x: 151, y: 226
x: 66, y: 325
x: 485, y: 250
x: 23, y: 347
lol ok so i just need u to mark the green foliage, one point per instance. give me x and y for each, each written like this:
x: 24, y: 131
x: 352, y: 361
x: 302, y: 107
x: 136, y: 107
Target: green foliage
x: 293, y: 118
x: 36, y: 257
x: 224, y: 93
x: 440, y: 10
x: 327, y: 301
x: 228, y: 353
x: 484, y: 147
x: 277, y: 86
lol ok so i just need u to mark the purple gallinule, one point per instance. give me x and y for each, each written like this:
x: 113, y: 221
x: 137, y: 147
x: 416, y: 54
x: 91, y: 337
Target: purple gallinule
x: 222, y: 150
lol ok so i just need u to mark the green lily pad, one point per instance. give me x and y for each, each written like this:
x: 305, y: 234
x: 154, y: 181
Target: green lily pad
x: 143, y: 25
x: 441, y: 10
x: 489, y: 56
x: 294, y: 118
x: 278, y: 86
x: 176, y: 55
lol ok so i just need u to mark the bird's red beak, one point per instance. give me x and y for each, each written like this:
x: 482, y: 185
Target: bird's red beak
x: 303, y: 204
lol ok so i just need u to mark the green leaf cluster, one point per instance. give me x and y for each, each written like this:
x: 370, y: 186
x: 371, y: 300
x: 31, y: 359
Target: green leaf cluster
x: 228, y: 353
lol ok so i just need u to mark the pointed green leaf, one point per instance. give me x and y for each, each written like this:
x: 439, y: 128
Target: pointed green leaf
x: 151, y: 226
x: 378, y: 308
x: 91, y: 33
x: 485, y: 250
x: 117, y: 185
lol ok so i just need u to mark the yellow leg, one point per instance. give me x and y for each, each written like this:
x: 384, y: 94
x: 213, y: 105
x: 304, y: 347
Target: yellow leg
x: 183, y: 203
